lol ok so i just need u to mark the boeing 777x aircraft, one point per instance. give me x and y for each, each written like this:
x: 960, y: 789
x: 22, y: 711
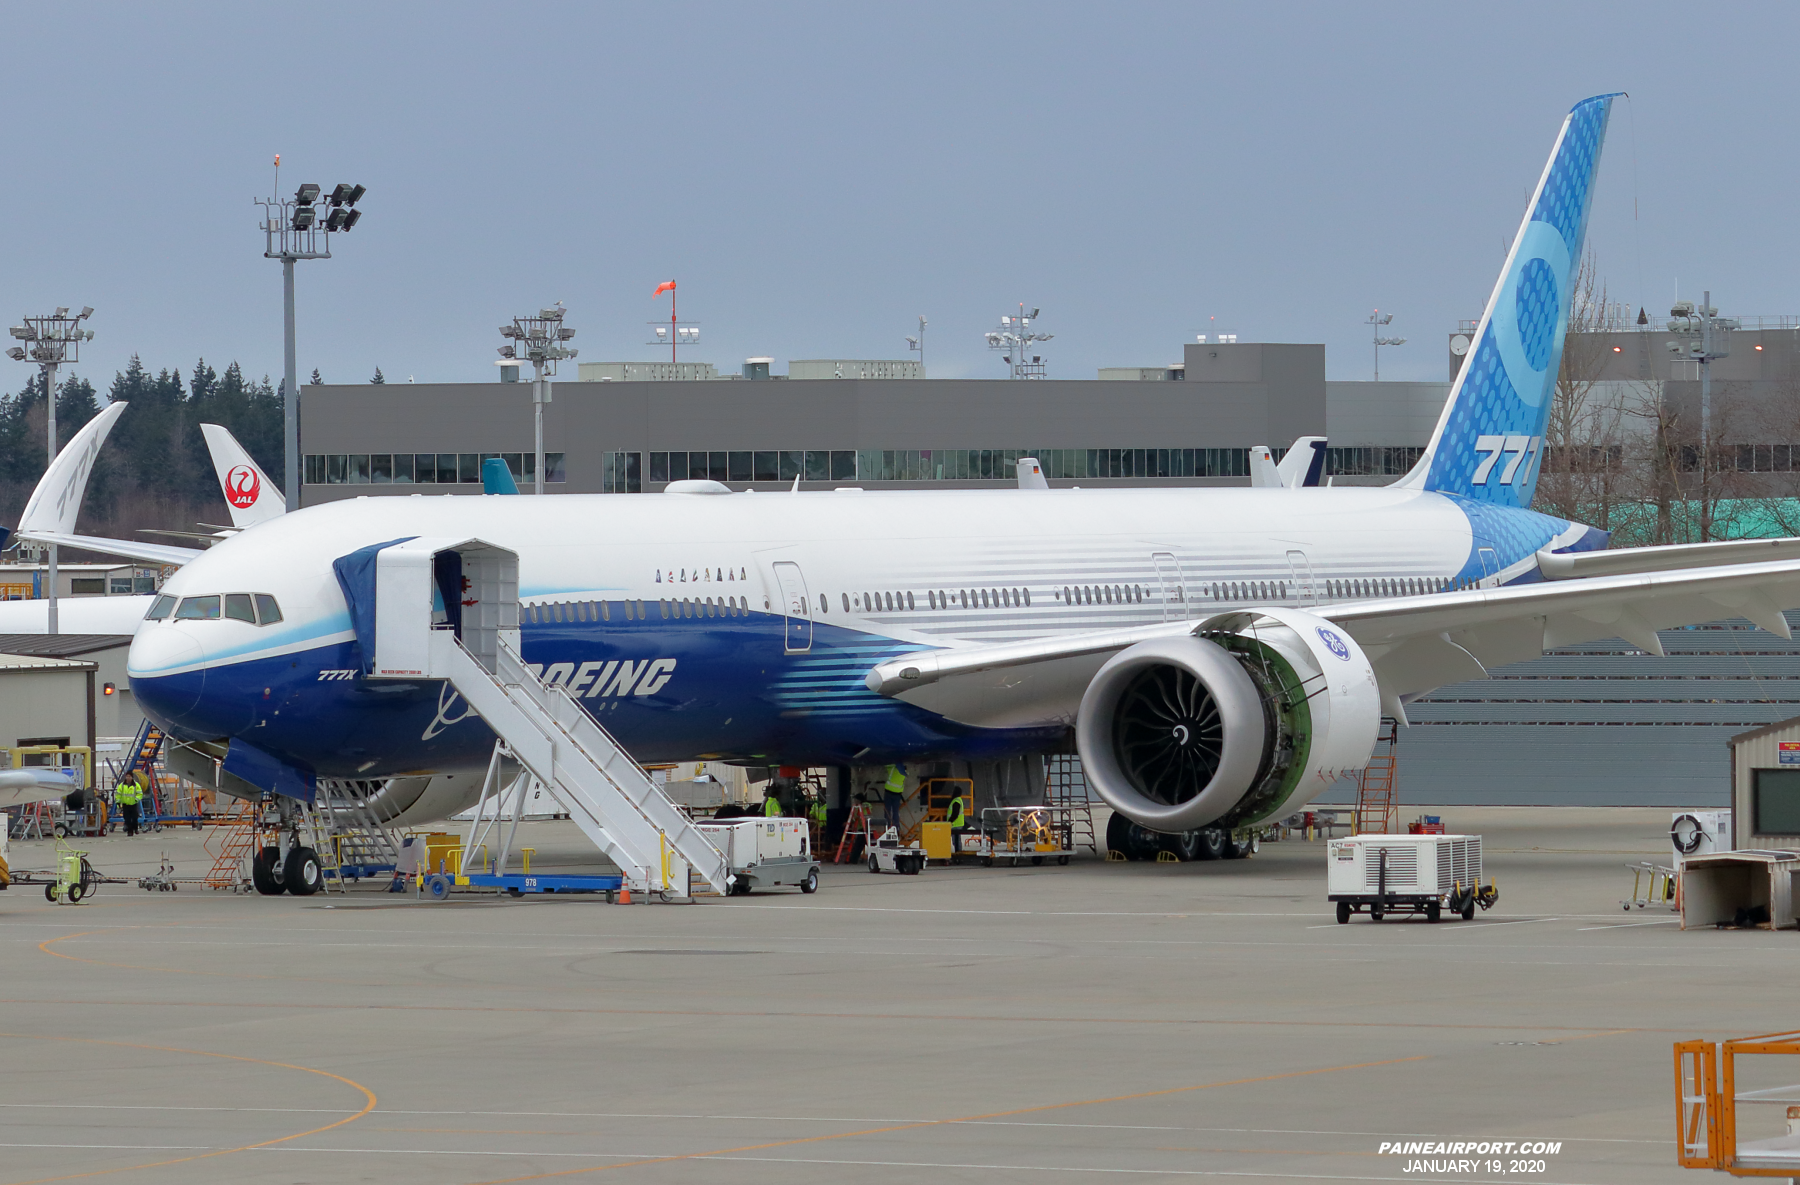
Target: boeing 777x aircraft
x: 1217, y: 656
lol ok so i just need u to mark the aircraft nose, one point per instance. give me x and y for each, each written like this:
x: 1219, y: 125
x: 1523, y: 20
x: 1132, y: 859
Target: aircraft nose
x: 166, y: 674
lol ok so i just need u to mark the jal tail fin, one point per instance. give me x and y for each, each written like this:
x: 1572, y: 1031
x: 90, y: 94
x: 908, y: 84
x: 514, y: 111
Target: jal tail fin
x: 496, y: 478
x: 1489, y: 440
x: 249, y: 494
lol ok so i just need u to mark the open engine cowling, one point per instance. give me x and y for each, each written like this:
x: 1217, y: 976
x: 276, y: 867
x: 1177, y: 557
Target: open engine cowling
x: 1250, y: 716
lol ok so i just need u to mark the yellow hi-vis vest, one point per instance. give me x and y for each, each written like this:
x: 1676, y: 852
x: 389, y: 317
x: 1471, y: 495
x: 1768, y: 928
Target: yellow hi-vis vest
x: 896, y: 780
x: 129, y: 793
x: 771, y: 808
x: 953, y: 814
x: 818, y: 813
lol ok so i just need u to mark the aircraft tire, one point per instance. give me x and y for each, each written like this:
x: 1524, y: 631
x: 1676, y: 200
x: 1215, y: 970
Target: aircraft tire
x: 302, y: 876
x: 1212, y: 843
x: 262, y: 872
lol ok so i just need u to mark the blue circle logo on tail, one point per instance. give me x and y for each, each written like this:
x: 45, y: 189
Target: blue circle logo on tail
x: 1334, y: 643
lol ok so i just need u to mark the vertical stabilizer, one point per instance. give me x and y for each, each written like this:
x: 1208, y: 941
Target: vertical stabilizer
x: 249, y: 494
x: 1489, y: 441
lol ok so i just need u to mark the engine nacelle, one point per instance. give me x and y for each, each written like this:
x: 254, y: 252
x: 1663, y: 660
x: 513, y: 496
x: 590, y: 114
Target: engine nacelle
x: 1249, y: 717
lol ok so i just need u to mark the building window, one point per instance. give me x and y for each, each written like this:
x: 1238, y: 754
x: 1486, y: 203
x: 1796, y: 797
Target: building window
x: 1775, y: 801
x: 620, y: 473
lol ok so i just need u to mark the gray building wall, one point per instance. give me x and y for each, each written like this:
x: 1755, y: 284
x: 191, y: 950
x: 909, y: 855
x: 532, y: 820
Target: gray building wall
x: 1251, y: 394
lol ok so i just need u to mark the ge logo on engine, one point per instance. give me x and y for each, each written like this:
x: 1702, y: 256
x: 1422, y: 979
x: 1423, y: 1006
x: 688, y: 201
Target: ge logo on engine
x: 1334, y: 644
x: 242, y: 486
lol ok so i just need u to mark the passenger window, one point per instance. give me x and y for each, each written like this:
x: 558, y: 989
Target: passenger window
x: 846, y: 597
x: 161, y: 609
x: 909, y: 600
x: 198, y: 609
x: 1028, y: 598
x: 239, y: 608
x: 824, y: 605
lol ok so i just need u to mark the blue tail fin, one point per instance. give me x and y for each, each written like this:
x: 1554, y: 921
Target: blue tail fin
x: 1490, y: 438
x: 496, y: 478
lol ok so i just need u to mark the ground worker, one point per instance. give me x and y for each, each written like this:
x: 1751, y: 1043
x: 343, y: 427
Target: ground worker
x: 128, y: 795
x: 771, y: 807
x: 817, y: 814
x: 893, y: 793
x: 956, y: 815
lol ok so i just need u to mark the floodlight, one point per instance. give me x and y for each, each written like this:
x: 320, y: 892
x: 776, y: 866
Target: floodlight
x: 303, y: 217
x: 354, y: 215
x: 307, y: 194
x: 506, y: 351
x: 16, y: 354
x: 24, y: 333
x: 340, y: 194
x: 63, y: 311
x: 661, y: 332
x: 1034, y: 313
x: 550, y: 314
x: 336, y: 219
x: 87, y: 310
x: 90, y: 335
x: 355, y: 194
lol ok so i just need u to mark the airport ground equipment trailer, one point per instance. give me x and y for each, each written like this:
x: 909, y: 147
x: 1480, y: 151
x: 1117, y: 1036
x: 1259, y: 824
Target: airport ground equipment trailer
x: 888, y: 854
x: 765, y: 852
x: 1428, y: 874
x: 1034, y: 833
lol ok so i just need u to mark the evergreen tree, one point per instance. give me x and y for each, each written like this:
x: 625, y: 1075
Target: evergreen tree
x: 378, y: 379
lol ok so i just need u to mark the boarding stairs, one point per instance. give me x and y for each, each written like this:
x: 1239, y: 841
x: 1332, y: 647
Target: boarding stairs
x: 1377, y: 804
x: 447, y: 609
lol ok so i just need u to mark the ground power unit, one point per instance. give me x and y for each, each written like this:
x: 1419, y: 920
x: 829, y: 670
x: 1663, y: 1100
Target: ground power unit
x: 765, y: 853
x: 1425, y: 874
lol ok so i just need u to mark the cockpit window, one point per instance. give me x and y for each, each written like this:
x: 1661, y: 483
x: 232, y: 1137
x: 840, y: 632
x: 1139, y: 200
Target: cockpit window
x: 238, y: 607
x: 198, y: 609
x: 163, y: 607
x: 267, y: 611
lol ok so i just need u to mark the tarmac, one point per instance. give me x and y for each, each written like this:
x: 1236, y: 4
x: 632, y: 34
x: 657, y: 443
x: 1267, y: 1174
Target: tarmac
x: 1099, y: 1022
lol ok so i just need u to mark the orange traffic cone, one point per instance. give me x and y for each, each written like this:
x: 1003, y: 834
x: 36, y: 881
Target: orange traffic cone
x: 624, y: 896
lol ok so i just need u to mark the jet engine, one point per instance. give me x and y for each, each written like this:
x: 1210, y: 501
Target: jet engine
x: 1245, y: 719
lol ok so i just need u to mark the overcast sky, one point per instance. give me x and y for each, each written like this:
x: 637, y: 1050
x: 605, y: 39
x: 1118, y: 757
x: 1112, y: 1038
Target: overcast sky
x: 815, y: 177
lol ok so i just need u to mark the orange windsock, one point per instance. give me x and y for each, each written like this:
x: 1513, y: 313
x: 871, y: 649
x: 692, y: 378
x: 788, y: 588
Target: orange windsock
x: 665, y: 286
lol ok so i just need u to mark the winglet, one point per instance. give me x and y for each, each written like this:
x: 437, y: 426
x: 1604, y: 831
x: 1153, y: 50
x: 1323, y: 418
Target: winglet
x: 249, y: 494
x: 56, y: 502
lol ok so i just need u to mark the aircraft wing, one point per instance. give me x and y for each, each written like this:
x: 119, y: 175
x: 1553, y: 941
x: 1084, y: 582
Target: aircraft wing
x: 1575, y: 564
x: 21, y: 786
x: 1415, y: 643
x: 56, y: 502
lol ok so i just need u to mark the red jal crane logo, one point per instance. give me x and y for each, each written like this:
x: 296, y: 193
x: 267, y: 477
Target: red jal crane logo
x: 242, y: 486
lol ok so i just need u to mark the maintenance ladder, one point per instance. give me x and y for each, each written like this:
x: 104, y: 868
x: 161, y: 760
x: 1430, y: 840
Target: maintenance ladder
x: 1065, y: 786
x: 1377, y: 805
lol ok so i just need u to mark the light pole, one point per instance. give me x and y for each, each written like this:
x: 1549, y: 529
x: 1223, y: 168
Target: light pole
x: 1015, y: 336
x: 540, y: 340
x: 918, y: 344
x: 1702, y: 335
x: 291, y: 231
x: 49, y: 342
x: 1375, y: 322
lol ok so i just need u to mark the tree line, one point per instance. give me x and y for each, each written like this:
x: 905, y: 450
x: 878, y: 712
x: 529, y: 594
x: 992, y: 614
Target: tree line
x: 155, y: 470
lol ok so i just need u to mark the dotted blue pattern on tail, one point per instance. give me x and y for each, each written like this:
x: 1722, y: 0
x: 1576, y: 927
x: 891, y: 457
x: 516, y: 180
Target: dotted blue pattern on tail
x: 1491, y: 442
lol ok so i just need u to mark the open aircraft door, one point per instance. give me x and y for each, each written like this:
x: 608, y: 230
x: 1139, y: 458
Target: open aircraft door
x: 796, y: 607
